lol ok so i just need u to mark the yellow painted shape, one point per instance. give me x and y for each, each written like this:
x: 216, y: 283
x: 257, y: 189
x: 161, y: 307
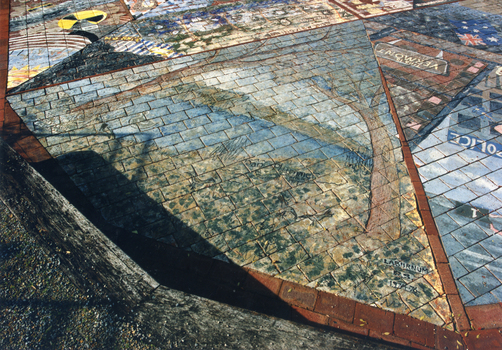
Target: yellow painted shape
x: 82, y: 15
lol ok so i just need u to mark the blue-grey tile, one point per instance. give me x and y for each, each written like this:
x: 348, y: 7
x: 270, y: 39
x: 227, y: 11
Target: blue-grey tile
x: 496, y: 268
x: 143, y: 99
x: 283, y: 153
x: 180, y: 106
x: 189, y: 145
x: 239, y: 119
x: 261, y: 135
x: 445, y: 224
x: 260, y: 124
x: 198, y: 111
x: 279, y: 130
x: 161, y: 102
x: 306, y: 146
x: 135, y: 109
x: 193, y: 133
x: 219, y: 116
x: 299, y: 136
x: 440, y: 205
x: 457, y: 268
x: 464, y: 293
x: 282, y: 141
x: 238, y: 131
x: 485, y: 299
x: 148, y: 135
x: 169, y: 118
x: 474, y: 257
x: 198, y: 121
x: 469, y: 235
x: 258, y: 148
x: 214, y: 138
x: 480, y: 282
x: 493, y: 245
x: 450, y: 244
x: 332, y: 151
x: 168, y: 140
x: 217, y: 126
x: 497, y: 292
x: 173, y: 128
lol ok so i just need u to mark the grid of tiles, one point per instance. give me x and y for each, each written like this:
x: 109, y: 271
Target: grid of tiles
x: 280, y: 156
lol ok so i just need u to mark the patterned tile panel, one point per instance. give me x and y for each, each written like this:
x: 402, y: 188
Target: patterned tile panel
x: 278, y: 155
x: 366, y: 9
x: 41, y: 35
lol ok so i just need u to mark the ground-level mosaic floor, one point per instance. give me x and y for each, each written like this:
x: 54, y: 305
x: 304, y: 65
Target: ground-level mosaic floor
x: 281, y: 151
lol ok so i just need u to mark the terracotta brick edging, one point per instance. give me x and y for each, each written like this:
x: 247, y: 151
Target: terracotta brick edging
x: 314, y: 307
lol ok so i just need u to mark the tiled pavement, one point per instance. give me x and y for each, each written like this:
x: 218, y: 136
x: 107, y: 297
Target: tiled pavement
x: 268, y: 139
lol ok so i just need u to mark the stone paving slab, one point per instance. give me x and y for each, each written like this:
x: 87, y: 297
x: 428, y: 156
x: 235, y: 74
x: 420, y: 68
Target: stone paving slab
x: 288, y: 152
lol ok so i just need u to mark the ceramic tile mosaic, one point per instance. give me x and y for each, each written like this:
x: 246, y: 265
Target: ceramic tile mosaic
x: 423, y: 81
x: 452, y: 22
x: 278, y: 155
x: 366, y: 9
x: 422, y: 3
x: 170, y: 35
x: 459, y: 163
x: 144, y: 9
x: 218, y: 26
x: 41, y: 35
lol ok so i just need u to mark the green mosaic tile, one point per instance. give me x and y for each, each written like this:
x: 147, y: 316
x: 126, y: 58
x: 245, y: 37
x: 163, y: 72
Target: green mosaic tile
x: 180, y: 204
x: 208, y: 195
x: 279, y: 201
x: 180, y: 174
x: 270, y: 188
x: 289, y: 257
x: 318, y: 266
x: 304, y: 228
x: 151, y: 182
x: 243, y: 198
x: 264, y: 265
x: 236, y: 184
x: 255, y: 212
x: 416, y: 293
x: 192, y: 216
x: 323, y: 201
x: 350, y: 275
x: 246, y: 254
x: 394, y: 303
x: 305, y: 191
x: 159, y: 167
x: 181, y: 160
x: 211, y: 247
x: 346, y: 252
x: 240, y: 235
x: 275, y: 241
x: 318, y: 243
x: 294, y: 275
x: 426, y: 313
x: 263, y: 175
x: 221, y: 224
x: 218, y: 207
x: 232, y: 171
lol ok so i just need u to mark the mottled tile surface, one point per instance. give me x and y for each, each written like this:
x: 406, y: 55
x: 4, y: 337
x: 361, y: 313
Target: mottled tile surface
x: 279, y: 155
x: 259, y: 133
